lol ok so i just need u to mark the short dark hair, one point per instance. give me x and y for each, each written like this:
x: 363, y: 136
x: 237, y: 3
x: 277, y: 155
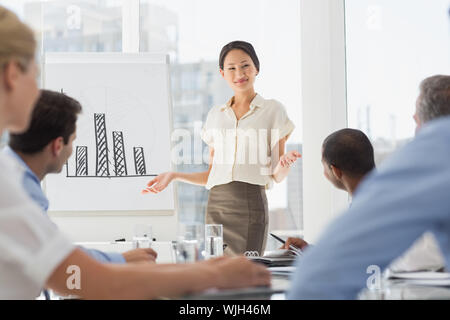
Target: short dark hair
x: 350, y: 151
x: 434, y: 99
x: 240, y: 45
x: 54, y: 115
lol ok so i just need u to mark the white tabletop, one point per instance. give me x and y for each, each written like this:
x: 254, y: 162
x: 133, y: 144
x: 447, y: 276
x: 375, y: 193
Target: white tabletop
x: 163, y: 248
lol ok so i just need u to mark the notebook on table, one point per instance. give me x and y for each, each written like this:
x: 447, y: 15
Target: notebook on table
x: 274, y: 258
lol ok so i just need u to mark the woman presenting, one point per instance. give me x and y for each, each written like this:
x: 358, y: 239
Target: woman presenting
x: 246, y: 137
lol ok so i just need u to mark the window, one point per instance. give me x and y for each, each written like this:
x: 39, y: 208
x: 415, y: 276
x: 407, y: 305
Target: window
x: 391, y: 47
x: 82, y: 26
x: 194, y: 32
x: 85, y: 25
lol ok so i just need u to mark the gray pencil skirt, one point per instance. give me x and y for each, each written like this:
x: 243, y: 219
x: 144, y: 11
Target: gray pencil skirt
x: 242, y: 210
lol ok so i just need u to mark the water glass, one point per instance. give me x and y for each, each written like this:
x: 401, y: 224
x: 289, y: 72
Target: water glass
x: 142, y: 236
x: 213, y: 240
x: 190, y: 243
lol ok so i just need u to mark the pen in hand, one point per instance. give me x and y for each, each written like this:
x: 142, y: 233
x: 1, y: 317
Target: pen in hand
x: 292, y: 247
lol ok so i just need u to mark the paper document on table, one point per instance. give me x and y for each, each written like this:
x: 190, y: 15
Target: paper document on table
x: 422, y: 278
x: 283, y: 271
x: 420, y: 275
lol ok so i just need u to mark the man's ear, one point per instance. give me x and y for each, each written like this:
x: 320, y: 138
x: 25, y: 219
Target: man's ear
x: 336, y: 172
x: 56, y: 146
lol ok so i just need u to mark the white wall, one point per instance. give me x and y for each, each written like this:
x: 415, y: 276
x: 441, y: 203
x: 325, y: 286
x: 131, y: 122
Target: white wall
x: 324, y: 106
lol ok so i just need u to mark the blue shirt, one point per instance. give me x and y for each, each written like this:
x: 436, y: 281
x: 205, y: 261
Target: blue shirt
x: 32, y: 186
x: 406, y: 196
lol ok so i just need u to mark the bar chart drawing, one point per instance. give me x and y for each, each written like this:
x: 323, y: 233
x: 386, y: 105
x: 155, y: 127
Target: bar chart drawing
x: 120, y: 161
x: 139, y: 160
x: 81, y: 161
x: 101, y: 144
x: 102, y: 155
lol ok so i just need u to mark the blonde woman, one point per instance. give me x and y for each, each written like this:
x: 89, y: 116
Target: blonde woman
x: 34, y: 254
x: 246, y: 137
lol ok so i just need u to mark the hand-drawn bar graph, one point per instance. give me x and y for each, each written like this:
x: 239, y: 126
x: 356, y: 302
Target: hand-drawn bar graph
x: 101, y: 145
x: 139, y: 160
x: 102, y: 162
x: 81, y: 161
x: 120, y: 162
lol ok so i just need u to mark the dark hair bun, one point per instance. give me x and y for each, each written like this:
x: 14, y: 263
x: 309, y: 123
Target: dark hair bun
x: 241, y: 45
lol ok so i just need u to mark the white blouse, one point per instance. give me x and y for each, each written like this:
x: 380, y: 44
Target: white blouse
x: 31, y: 247
x: 243, y: 148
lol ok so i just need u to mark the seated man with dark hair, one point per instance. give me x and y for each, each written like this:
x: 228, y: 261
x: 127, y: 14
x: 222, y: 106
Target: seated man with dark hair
x: 347, y: 157
x: 45, y: 147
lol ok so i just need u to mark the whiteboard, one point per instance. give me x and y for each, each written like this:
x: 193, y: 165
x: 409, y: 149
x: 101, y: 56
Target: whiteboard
x: 123, y: 133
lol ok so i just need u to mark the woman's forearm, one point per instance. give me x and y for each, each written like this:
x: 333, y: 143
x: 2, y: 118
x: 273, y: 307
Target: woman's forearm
x: 198, y: 178
x: 280, y: 172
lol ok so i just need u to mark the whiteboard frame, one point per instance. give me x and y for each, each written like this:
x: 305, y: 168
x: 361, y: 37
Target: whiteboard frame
x: 111, y: 57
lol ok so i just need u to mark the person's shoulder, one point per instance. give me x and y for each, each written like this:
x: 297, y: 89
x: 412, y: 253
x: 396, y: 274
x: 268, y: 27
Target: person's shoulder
x: 272, y: 105
x: 439, y: 127
x: 216, y: 109
x: 426, y: 155
x: 9, y: 164
x: 13, y: 199
x: 432, y: 138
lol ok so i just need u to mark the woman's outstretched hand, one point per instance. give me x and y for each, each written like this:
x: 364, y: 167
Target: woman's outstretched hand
x: 159, y: 183
x: 289, y: 158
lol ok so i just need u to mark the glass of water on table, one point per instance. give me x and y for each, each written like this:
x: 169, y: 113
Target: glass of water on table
x: 142, y: 236
x: 213, y: 240
x: 190, y: 242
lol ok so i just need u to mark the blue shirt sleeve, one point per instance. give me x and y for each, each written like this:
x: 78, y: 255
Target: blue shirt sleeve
x: 396, y: 204
x: 105, y: 257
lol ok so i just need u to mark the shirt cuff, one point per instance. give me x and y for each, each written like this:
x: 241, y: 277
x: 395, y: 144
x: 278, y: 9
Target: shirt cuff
x: 105, y: 257
x: 116, y: 257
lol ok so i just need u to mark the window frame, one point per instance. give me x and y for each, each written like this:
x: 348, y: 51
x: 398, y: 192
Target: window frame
x: 324, y: 103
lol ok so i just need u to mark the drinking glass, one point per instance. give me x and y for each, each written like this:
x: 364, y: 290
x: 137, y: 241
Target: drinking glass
x: 142, y: 236
x: 213, y: 240
x: 190, y: 242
